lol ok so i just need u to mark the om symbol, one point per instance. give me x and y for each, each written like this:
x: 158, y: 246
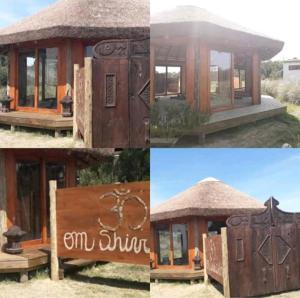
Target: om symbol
x: 121, y: 197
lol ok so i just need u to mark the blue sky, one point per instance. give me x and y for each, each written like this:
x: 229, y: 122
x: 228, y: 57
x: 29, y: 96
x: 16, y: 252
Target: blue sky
x: 258, y: 172
x: 14, y: 10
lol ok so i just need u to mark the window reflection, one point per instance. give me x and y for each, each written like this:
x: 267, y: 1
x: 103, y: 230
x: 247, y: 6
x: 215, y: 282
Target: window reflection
x: 220, y: 78
x: 168, y: 80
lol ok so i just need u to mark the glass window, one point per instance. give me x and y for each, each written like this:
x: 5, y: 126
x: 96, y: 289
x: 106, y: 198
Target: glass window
x: 3, y: 75
x: 88, y: 51
x: 214, y: 227
x: 160, y: 80
x: 26, y: 79
x: 220, y: 78
x: 28, y: 200
x: 54, y: 171
x: 164, y: 247
x: 180, y: 244
x: 239, y: 79
x: 48, y: 78
x: 173, y: 79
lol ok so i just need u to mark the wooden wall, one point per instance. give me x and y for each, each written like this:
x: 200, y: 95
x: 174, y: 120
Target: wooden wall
x: 3, y: 218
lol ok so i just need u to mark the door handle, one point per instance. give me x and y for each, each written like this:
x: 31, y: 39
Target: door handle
x: 147, y: 130
x: 264, y: 271
x: 287, y: 270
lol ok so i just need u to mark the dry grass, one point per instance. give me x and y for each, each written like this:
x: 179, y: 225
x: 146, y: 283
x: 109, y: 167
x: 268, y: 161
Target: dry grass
x: 108, y: 280
x: 35, y: 139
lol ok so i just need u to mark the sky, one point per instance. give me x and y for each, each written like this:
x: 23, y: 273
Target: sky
x: 275, y: 18
x: 14, y: 10
x: 261, y: 173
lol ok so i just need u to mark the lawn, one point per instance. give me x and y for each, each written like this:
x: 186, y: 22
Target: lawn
x: 106, y: 280
x: 268, y: 133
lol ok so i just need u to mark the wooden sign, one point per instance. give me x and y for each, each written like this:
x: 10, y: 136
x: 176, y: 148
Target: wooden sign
x: 105, y: 223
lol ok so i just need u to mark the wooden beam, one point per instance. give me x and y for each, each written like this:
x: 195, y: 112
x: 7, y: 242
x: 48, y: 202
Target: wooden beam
x: 256, y: 83
x: 203, y: 80
x: 88, y: 103
x: 196, y: 237
x: 226, y: 285
x: 54, y: 258
x: 3, y: 198
x: 43, y: 200
x: 190, y: 73
x: 69, y: 68
x: 152, y: 73
x: 13, y: 77
x: 206, y: 279
x: 75, y: 127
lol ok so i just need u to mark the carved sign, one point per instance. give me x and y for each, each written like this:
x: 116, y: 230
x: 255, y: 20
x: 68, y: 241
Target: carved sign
x: 111, y: 49
x: 105, y: 223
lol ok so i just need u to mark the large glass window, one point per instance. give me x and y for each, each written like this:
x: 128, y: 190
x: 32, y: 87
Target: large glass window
x: 220, y: 79
x: 26, y: 79
x: 3, y: 75
x: 168, y: 80
x: 28, y: 194
x: 172, y: 238
x: 48, y: 78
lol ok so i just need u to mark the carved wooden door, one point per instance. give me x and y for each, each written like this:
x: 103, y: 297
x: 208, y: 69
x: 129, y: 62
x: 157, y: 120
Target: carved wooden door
x: 120, y: 85
x: 263, y: 250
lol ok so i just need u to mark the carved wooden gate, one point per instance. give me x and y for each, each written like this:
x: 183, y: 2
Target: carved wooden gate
x: 120, y: 88
x: 264, y: 252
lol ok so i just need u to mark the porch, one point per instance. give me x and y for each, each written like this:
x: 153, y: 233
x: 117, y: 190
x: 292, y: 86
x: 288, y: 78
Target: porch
x: 52, y: 122
x: 176, y: 274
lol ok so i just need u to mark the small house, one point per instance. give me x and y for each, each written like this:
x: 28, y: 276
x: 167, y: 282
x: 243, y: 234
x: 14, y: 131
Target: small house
x: 211, y: 63
x: 178, y: 224
x: 291, y: 70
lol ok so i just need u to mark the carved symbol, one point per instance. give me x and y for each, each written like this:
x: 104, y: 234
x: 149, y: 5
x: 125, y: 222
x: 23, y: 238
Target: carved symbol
x: 112, y: 49
x: 283, y: 250
x: 265, y: 249
x: 144, y: 94
x: 121, y: 197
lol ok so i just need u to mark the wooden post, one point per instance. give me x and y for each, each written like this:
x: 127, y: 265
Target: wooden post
x: 256, y: 96
x: 75, y: 127
x: 226, y: 284
x: 203, y: 79
x: 13, y: 82
x: 190, y: 73
x: 152, y: 73
x: 206, y: 280
x: 88, y: 105
x: 3, y: 203
x: 69, y: 68
x: 54, y: 258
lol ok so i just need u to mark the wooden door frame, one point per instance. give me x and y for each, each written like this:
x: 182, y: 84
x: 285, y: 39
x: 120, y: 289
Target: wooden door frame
x: 12, y: 157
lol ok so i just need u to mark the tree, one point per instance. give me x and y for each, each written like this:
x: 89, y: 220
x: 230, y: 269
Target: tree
x: 272, y: 70
x: 131, y: 165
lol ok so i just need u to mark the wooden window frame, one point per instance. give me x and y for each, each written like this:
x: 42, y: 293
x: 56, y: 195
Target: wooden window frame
x: 166, y: 66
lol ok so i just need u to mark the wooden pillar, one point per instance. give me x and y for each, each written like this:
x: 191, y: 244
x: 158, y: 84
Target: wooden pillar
x: 152, y: 245
x: 13, y: 76
x: 190, y: 73
x: 43, y: 211
x: 226, y: 285
x: 152, y: 73
x: 206, y: 279
x: 54, y: 258
x: 196, y: 237
x: 3, y: 216
x: 203, y: 80
x: 256, y: 83
x: 75, y: 127
x: 88, y: 102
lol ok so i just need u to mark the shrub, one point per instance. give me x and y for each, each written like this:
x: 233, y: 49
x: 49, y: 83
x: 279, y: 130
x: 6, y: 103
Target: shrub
x: 171, y: 117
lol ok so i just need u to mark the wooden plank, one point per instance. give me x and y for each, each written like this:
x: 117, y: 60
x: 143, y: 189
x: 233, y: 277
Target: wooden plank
x: 206, y: 280
x: 256, y: 81
x: 107, y: 223
x: 204, y: 78
x: 152, y: 73
x: 174, y: 274
x: 3, y: 202
x: 88, y: 104
x: 75, y: 126
x: 225, y: 277
x: 190, y: 72
x: 53, y: 227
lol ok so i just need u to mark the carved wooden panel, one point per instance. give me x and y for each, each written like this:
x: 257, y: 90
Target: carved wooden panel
x: 80, y: 94
x: 263, y: 250
x: 110, y: 90
x: 105, y: 223
x: 112, y: 49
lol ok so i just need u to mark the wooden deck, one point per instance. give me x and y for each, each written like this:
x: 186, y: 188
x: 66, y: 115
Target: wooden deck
x: 176, y: 274
x: 56, y: 123
x: 30, y: 259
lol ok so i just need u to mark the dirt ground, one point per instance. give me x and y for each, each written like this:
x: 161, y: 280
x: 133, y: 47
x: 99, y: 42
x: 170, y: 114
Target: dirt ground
x: 35, y: 139
x: 109, y: 280
x: 183, y: 290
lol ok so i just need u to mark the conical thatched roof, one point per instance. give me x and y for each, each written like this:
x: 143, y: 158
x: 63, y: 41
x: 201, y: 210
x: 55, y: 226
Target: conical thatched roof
x: 209, y: 197
x: 83, y: 19
x: 198, y: 22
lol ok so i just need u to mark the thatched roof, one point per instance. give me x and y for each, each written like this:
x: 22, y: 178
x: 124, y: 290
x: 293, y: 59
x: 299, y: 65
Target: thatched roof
x: 197, y: 22
x: 209, y: 197
x: 83, y: 19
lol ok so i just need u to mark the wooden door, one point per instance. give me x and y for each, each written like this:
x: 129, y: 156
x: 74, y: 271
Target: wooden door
x: 263, y: 252
x: 139, y: 93
x: 120, y: 97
